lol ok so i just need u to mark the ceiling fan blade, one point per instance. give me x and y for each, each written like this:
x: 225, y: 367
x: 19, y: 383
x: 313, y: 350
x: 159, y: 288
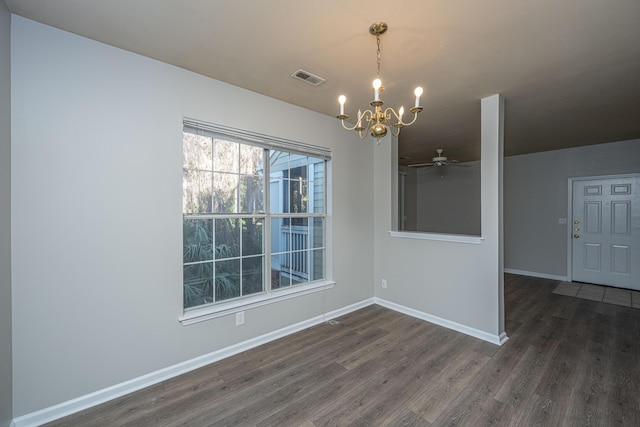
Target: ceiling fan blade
x: 419, y: 165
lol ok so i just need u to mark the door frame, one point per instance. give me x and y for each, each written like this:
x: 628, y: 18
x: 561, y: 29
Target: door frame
x: 570, y: 213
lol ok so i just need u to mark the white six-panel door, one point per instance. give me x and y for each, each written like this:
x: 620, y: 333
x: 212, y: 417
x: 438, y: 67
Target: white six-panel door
x: 606, y: 231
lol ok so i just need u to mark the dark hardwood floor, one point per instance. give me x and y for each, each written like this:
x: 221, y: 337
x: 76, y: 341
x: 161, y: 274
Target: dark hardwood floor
x: 568, y: 362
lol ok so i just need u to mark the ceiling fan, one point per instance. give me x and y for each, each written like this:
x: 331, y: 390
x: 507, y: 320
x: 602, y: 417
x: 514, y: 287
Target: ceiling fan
x: 439, y: 160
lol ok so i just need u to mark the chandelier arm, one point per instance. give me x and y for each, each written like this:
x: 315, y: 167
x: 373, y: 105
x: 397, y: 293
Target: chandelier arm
x: 347, y: 127
x: 415, y: 116
x: 359, y: 121
x: 369, y: 120
x: 389, y: 111
x: 366, y: 116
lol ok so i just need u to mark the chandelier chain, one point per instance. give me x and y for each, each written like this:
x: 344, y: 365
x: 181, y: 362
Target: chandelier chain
x: 378, y: 55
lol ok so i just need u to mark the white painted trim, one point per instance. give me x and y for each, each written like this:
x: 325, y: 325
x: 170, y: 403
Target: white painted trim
x: 456, y: 238
x: 224, y: 309
x: 569, y: 233
x: 503, y: 338
x: 536, y: 274
x: 595, y: 177
x: 485, y: 336
x: 92, y: 399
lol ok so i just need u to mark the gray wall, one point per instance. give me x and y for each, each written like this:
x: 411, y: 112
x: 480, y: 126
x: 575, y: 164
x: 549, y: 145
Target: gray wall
x: 536, y: 196
x: 6, y: 383
x: 410, y: 200
x: 97, y: 223
x: 448, y: 199
x: 430, y: 276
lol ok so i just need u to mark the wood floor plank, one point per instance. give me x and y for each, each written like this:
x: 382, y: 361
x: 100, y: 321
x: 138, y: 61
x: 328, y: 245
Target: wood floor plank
x: 384, y: 345
x: 623, y: 371
x: 555, y: 386
x: 526, y: 376
x: 412, y: 383
x: 396, y: 374
x: 568, y: 362
x: 331, y: 349
x: 437, y: 395
x: 586, y: 403
x: 278, y: 349
x: 265, y: 402
x: 324, y: 397
x: 409, y: 419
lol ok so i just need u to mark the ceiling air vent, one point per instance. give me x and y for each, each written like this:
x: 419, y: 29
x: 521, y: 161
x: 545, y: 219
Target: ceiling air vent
x: 307, y: 77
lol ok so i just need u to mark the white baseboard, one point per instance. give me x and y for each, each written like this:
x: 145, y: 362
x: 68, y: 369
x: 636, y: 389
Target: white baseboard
x: 92, y: 399
x: 535, y: 274
x: 503, y: 338
x: 485, y: 336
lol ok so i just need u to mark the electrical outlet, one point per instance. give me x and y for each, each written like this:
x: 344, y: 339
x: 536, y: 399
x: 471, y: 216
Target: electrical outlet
x: 240, y: 318
x: 384, y: 283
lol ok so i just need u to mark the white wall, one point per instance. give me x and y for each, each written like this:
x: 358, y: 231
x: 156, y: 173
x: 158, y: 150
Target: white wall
x: 96, y: 219
x: 536, y: 196
x: 5, y: 217
x: 459, y: 282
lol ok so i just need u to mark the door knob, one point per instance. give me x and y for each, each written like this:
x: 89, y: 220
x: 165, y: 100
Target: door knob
x: 576, y: 236
x: 576, y: 222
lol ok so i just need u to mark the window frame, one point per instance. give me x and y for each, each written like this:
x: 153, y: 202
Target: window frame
x: 268, y: 295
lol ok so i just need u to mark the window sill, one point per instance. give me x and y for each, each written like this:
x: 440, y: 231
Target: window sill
x: 456, y: 238
x: 218, y: 310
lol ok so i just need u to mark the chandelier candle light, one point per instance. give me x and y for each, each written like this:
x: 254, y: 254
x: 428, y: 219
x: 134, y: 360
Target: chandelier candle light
x: 377, y: 120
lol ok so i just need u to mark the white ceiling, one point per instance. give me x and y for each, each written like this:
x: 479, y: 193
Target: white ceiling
x: 569, y: 70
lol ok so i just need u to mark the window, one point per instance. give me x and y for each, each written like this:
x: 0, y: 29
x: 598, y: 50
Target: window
x: 254, y: 215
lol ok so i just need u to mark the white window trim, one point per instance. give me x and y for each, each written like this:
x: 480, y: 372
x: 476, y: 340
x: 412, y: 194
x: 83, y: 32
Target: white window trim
x: 219, y: 309
x: 197, y: 315
x: 456, y: 238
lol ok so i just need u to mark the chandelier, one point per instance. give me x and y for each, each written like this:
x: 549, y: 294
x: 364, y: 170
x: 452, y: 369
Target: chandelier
x: 376, y: 120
